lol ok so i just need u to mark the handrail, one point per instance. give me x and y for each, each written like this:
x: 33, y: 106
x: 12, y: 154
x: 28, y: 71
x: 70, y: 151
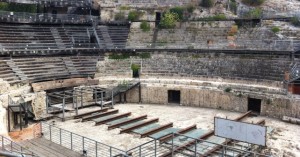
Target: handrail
x: 10, y: 146
x: 78, y: 143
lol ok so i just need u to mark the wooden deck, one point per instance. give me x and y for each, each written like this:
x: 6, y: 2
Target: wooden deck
x: 46, y: 148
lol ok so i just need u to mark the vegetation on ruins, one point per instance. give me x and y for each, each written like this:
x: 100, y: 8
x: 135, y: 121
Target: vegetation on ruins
x: 168, y: 20
x: 190, y: 8
x: 145, y: 26
x: 295, y: 21
x: 120, y: 16
x: 275, y: 29
x: 233, y: 6
x: 179, y: 11
x: 134, y: 15
x: 207, y: 3
x: 15, y: 7
x: 253, y: 2
x: 233, y: 30
x: 145, y: 55
x: 227, y: 90
x: 135, y: 68
x: 254, y: 13
x: 128, y: 55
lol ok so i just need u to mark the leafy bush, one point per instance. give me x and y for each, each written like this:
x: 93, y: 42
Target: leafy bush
x: 254, y: 13
x: 14, y: 7
x: 120, y: 16
x: 233, y: 30
x: 168, y: 20
x: 135, y: 67
x: 227, y: 90
x: 119, y: 56
x: 133, y: 16
x: 219, y: 17
x: 190, y: 8
x: 179, y: 11
x: 233, y: 6
x: 145, y: 26
x: 253, y: 2
x: 145, y: 55
x: 207, y: 3
x: 275, y: 29
x: 295, y: 21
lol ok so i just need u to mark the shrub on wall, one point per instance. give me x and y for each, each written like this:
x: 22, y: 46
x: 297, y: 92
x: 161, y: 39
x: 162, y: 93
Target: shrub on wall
x: 168, y: 20
x: 254, y: 13
x: 275, y: 29
x: 120, y: 16
x: 134, y: 15
x: 295, y: 21
x: 179, y: 11
x: 30, y: 8
x: 207, y: 3
x: 253, y: 2
x: 145, y: 26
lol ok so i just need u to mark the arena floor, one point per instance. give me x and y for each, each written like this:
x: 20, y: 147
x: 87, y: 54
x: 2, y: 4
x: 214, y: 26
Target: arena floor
x: 284, y: 141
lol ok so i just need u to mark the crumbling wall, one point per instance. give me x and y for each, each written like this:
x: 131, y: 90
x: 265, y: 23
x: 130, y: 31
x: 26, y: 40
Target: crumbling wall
x: 39, y: 104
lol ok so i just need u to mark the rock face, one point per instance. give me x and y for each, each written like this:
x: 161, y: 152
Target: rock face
x: 39, y: 104
x: 5, y: 87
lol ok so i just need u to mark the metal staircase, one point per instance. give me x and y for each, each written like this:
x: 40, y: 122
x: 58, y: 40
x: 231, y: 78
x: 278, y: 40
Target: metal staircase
x: 70, y: 66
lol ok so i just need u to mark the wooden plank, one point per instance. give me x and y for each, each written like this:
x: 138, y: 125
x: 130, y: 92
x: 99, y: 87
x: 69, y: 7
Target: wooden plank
x: 127, y: 122
x: 89, y: 113
x: 87, y: 118
x: 41, y: 86
x: 113, y: 118
x: 139, y: 125
x: 153, y: 131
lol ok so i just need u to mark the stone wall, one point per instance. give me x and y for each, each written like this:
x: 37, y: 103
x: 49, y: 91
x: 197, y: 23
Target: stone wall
x: 275, y: 106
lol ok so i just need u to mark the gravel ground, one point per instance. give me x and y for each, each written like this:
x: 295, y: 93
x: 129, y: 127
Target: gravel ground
x: 285, y: 140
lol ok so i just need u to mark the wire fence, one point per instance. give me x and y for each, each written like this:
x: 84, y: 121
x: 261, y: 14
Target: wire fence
x: 12, y: 147
x: 78, y: 143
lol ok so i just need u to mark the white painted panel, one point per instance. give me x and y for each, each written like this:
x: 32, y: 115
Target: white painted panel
x: 240, y: 131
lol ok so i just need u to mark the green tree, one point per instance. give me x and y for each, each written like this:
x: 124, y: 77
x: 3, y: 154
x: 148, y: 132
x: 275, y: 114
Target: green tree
x: 275, y: 29
x: 169, y: 20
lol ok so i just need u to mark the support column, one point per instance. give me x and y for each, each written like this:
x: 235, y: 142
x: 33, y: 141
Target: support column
x: 140, y: 94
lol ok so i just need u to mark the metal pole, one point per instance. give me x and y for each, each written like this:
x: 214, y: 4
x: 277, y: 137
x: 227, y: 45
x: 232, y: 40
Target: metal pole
x: 50, y: 132
x: 155, y: 148
x: 63, y: 108
x: 47, y: 109
x: 8, y: 118
x: 101, y: 99
x: 81, y: 97
x: 82, y: 143
x: 95, y: 92
x: 60, y: 136
x: 20, y: 116
x: 76, y: 105
x: 112, y: 99
x: 71, y: 141
x: 96, y: 148
x: 110, y: 152
x: 172, y: 144
x: 196, y: 148
x: 140, y: 151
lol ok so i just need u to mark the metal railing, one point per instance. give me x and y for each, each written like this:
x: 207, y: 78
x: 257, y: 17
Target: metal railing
x: 12, y: 147
x: 78, y: 143
x: 23, y: 17
x: 55, y: 2
x: 197, y: 148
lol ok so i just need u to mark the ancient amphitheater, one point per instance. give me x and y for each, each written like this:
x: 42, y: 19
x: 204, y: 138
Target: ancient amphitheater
x: 149, y: 78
